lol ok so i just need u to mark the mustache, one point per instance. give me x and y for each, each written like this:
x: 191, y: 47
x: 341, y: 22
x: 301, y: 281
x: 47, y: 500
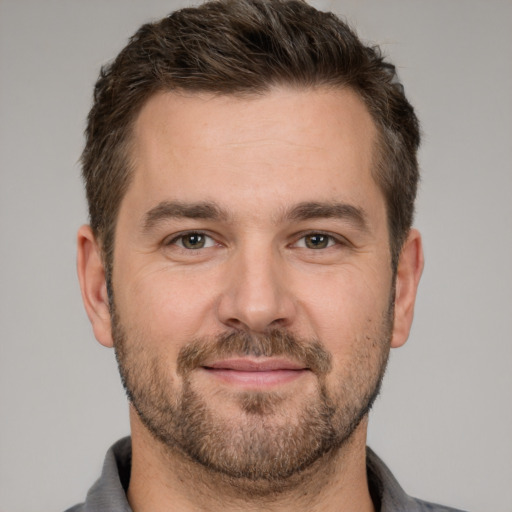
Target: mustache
x: 276, y: 342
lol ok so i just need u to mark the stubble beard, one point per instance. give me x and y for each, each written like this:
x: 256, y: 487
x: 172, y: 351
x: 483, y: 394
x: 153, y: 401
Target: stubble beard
x: 265, y: 444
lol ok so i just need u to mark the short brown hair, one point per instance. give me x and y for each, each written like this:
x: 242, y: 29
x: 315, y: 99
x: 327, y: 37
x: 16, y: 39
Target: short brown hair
x: 244, y: 47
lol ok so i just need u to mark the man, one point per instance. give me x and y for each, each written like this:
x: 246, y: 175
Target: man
x: 251, y: 171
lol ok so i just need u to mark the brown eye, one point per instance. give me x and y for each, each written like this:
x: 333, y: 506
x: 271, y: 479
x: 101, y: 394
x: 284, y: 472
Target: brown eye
x: 194, y: 241
x: 317, y: 241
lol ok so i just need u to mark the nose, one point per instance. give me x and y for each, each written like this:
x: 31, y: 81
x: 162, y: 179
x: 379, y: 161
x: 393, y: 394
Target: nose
x: 257, y: 294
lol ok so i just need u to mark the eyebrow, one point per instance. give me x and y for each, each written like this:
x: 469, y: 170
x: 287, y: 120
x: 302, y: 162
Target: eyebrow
x: 211, y: 211
x: 182, y: 210
x: 329, y: 210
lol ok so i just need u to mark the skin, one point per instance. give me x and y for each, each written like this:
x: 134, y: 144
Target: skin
x: 257, y: 159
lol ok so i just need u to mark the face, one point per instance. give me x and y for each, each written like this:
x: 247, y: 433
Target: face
x: 252, y: 283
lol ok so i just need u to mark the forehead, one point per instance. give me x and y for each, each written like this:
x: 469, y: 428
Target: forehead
x: 287, y: 144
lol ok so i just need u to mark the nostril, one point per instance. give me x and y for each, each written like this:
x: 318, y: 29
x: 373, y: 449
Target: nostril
x: 279, y: 322
x: 254, y: 325
x: 235, y: 324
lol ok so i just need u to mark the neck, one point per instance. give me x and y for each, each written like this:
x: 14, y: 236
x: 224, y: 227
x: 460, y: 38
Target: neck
x: 163, y: 480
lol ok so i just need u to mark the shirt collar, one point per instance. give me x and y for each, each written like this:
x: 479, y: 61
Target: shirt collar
x: 109, y: 491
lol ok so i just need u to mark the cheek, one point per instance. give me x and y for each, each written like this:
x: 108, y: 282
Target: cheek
x: 347, y: 304
x: 167, y: 309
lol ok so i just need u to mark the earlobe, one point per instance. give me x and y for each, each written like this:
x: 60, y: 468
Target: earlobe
x: 91, y: 274
x: 410, y: 267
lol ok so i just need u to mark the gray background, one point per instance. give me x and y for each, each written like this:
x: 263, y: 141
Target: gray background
x: 444, y: 422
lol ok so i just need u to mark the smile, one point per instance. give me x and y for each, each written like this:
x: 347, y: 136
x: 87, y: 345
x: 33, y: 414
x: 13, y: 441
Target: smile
x: 255, y: 374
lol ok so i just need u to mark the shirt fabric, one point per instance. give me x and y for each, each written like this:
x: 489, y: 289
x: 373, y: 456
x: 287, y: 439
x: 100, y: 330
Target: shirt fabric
x: 108, y: 494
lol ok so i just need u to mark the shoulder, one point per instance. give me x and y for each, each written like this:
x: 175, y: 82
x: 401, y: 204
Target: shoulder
x: 387, y: 493
x: 425, y: 506
x: 109, y: 491
x: 76, y: 508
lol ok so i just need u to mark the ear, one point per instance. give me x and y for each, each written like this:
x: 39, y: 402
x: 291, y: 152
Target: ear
x: 410, y: 267
x: 91, y: 274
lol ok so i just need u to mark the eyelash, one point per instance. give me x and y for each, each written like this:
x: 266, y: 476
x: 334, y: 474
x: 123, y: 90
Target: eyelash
x: 180, y: 237
x: 332, y: 240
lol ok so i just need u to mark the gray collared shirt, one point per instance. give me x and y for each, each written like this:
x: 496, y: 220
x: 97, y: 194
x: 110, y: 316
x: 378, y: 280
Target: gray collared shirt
x: 108, y: 494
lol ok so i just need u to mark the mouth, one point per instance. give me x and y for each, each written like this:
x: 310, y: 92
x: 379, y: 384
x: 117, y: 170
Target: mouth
x: 256, y: 374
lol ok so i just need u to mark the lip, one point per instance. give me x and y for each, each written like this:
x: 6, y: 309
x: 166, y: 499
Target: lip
x: 255, y: 365
x: 255, y: 373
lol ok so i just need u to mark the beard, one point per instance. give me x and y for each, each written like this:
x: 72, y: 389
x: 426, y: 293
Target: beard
x: 264, y: 439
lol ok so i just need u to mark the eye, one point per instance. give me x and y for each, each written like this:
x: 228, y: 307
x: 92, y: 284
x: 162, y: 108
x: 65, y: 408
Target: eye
x: 193, y: 241
x: 316, y: 241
